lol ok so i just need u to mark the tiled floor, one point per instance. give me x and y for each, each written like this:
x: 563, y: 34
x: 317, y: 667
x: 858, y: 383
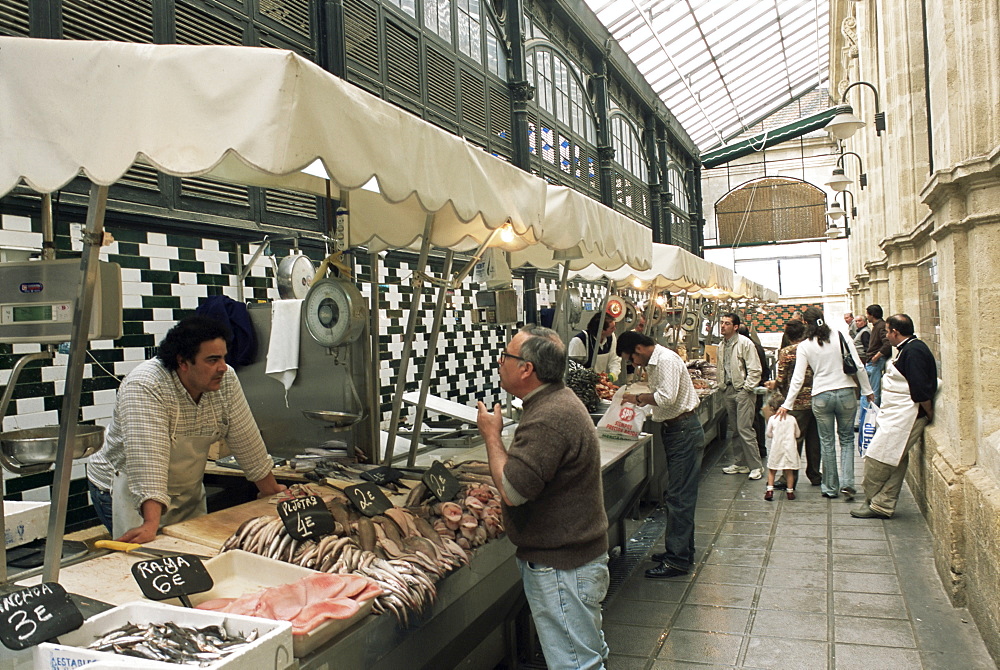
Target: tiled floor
x: 794, y: 585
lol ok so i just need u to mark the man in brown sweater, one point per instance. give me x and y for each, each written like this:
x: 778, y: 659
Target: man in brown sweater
x: 553, y: 503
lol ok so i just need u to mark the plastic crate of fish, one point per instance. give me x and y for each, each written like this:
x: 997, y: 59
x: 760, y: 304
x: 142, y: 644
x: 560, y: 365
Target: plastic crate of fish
x: 270, y: 648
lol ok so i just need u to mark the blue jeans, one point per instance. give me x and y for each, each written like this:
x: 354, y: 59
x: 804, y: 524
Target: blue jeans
x: 102, y: 505
x: 836, y: 407
x: 683, y: 442
x: 566, y: 608
x: 874, y: 371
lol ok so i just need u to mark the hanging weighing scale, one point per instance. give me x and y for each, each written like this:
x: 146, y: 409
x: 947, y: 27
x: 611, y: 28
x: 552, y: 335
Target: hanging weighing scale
x: 335, y: 314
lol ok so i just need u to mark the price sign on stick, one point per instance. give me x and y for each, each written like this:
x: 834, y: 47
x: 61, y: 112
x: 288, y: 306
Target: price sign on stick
x: 306, y: 518
x: 172, y: 577
x: 442, y: 484
x: 368, y: 499
x: 36, y: 614
x: 382, y: 475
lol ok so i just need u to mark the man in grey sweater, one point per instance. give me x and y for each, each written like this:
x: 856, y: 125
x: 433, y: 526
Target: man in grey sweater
x: 553, y: 503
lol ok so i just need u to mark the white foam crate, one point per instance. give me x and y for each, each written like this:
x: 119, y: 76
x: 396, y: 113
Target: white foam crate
x: 24, y: 521
x: 237, y: 573
x: 272, y: 650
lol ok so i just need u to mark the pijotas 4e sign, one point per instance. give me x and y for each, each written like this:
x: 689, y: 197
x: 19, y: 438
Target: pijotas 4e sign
x: 306, y: 518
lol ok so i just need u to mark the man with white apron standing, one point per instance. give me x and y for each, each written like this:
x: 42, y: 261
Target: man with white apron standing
x: 908, y: 389
x: 168, y: 412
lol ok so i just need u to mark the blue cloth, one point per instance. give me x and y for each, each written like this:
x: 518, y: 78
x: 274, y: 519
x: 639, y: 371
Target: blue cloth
x: 222, y: 308
x: 835, y: 411
x: 682, y: 442
x: 566, y: 608
x: 102, y: 505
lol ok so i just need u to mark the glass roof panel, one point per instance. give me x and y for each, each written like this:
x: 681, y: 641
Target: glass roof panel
x: 721, y: 65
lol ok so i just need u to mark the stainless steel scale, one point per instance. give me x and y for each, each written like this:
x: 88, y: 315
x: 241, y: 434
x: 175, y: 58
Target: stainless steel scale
x: 38, y: 304
x: 335, y: 314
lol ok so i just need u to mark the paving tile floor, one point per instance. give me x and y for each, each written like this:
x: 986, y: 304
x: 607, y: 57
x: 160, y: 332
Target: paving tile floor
x: 793, y: 585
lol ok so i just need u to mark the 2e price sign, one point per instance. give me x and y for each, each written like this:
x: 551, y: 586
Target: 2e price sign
x: 306, y: 518
x: 172, y: 577
x: 368, y: 499
x: 442, y: 484
x: 382, y: 475
x: 36, y: 614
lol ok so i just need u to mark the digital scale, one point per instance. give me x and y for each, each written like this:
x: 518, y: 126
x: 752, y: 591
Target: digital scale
x: 37, y: 299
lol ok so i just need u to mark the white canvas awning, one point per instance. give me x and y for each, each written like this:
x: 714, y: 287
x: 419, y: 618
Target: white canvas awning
x: 673, y: 269
x: 259, y: 117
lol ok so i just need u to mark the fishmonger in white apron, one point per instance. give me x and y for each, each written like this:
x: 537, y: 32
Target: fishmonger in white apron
x: 895, y: 418
x: 188, y: 456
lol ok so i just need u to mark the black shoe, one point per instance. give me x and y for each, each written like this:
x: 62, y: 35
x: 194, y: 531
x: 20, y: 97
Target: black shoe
x: 659, y: 558
x: 664, y: 571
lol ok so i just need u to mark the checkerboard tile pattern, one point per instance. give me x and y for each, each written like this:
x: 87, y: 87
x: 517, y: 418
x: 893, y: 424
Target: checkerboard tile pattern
x: 166, y: 276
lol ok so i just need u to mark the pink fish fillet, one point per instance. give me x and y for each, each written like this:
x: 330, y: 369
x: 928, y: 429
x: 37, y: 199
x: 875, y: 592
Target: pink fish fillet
x: 323, y: 586
x: 286, y: 601
x: 373, y: 590
x: 313, y: 615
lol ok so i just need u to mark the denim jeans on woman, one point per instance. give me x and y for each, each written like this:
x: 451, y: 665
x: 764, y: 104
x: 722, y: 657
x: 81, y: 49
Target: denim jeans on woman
x: 566, y: 608
x: 834, y: 411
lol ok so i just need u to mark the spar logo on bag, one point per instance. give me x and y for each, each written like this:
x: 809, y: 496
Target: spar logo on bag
x: 622, y: 420
x: 867, y: 426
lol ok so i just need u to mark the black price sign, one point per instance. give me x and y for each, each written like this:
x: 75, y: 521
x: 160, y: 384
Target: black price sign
x: 382, y: 475
x: 306, y: 518
x: 368, y: 499
x: 442, y: 484
x: 36, y: 614
x: 172, y: 577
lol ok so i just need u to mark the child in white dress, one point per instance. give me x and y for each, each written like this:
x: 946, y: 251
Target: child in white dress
x: 783, y: 454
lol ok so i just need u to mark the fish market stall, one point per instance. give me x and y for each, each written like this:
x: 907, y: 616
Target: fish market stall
x: 268, y: 122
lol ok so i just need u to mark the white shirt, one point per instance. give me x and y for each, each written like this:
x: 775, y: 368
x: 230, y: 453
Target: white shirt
x: 827, y: 364
x: 670, y: 383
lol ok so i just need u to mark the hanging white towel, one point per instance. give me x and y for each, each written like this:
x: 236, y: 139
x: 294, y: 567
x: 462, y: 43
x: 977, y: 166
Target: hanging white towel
x: 283, y: 349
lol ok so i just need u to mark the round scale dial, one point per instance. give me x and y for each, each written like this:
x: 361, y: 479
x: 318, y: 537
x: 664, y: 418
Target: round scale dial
x: 334, y: 312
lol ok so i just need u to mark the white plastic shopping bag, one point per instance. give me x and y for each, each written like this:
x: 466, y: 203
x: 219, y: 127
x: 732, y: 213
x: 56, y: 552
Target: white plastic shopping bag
x: 623, y: 420
x: 867, y: 423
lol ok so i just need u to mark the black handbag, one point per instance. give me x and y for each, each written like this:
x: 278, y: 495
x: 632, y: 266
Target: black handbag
x: 850, y: 367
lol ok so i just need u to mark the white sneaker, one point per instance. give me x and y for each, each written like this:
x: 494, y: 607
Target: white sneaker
x: 756, y: 473
x: 736, y: 470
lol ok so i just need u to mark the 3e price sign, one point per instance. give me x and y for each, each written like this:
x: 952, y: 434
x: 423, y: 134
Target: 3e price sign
x: 368, y: 499
x: 172, y: 577
x: 442, y: 484
x: 36, y: 614
x: 306, y: 518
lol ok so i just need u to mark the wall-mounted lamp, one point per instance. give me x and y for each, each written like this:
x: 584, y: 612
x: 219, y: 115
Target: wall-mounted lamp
x: 863, y: 179
x: 839, y: 181
x: 834, y: 212
x: 844, y: 124
x: 854, y: 210
x: 879, y: 114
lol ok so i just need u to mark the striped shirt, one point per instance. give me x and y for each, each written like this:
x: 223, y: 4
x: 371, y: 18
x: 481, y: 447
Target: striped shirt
x: 670, y: 383
x: 152, y: 407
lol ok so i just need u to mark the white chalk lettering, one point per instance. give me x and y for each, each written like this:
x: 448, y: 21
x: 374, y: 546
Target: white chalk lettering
x: 164, y: 583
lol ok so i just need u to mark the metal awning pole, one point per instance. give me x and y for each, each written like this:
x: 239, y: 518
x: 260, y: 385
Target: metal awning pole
x: 428, y: 368
x: 411, y: 324
x: 93, y: 237
x: 600, y: 324
x: 372, y: 361
x: 562, y: 306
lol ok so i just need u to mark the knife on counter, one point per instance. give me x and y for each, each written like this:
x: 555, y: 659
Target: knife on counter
x: 131, y: 548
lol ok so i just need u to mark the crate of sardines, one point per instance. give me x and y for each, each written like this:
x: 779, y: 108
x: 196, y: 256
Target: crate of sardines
x: 154, y: 635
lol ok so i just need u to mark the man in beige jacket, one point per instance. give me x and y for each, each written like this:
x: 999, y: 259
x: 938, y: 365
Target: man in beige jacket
x: 739, y: 376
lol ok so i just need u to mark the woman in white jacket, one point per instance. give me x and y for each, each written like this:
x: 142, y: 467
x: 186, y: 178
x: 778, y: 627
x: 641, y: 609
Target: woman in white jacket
x: 834, y: 399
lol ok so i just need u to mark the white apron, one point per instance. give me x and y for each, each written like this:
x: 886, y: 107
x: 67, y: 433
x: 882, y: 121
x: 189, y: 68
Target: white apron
x: 895, y: 418
x: 188, y: 456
